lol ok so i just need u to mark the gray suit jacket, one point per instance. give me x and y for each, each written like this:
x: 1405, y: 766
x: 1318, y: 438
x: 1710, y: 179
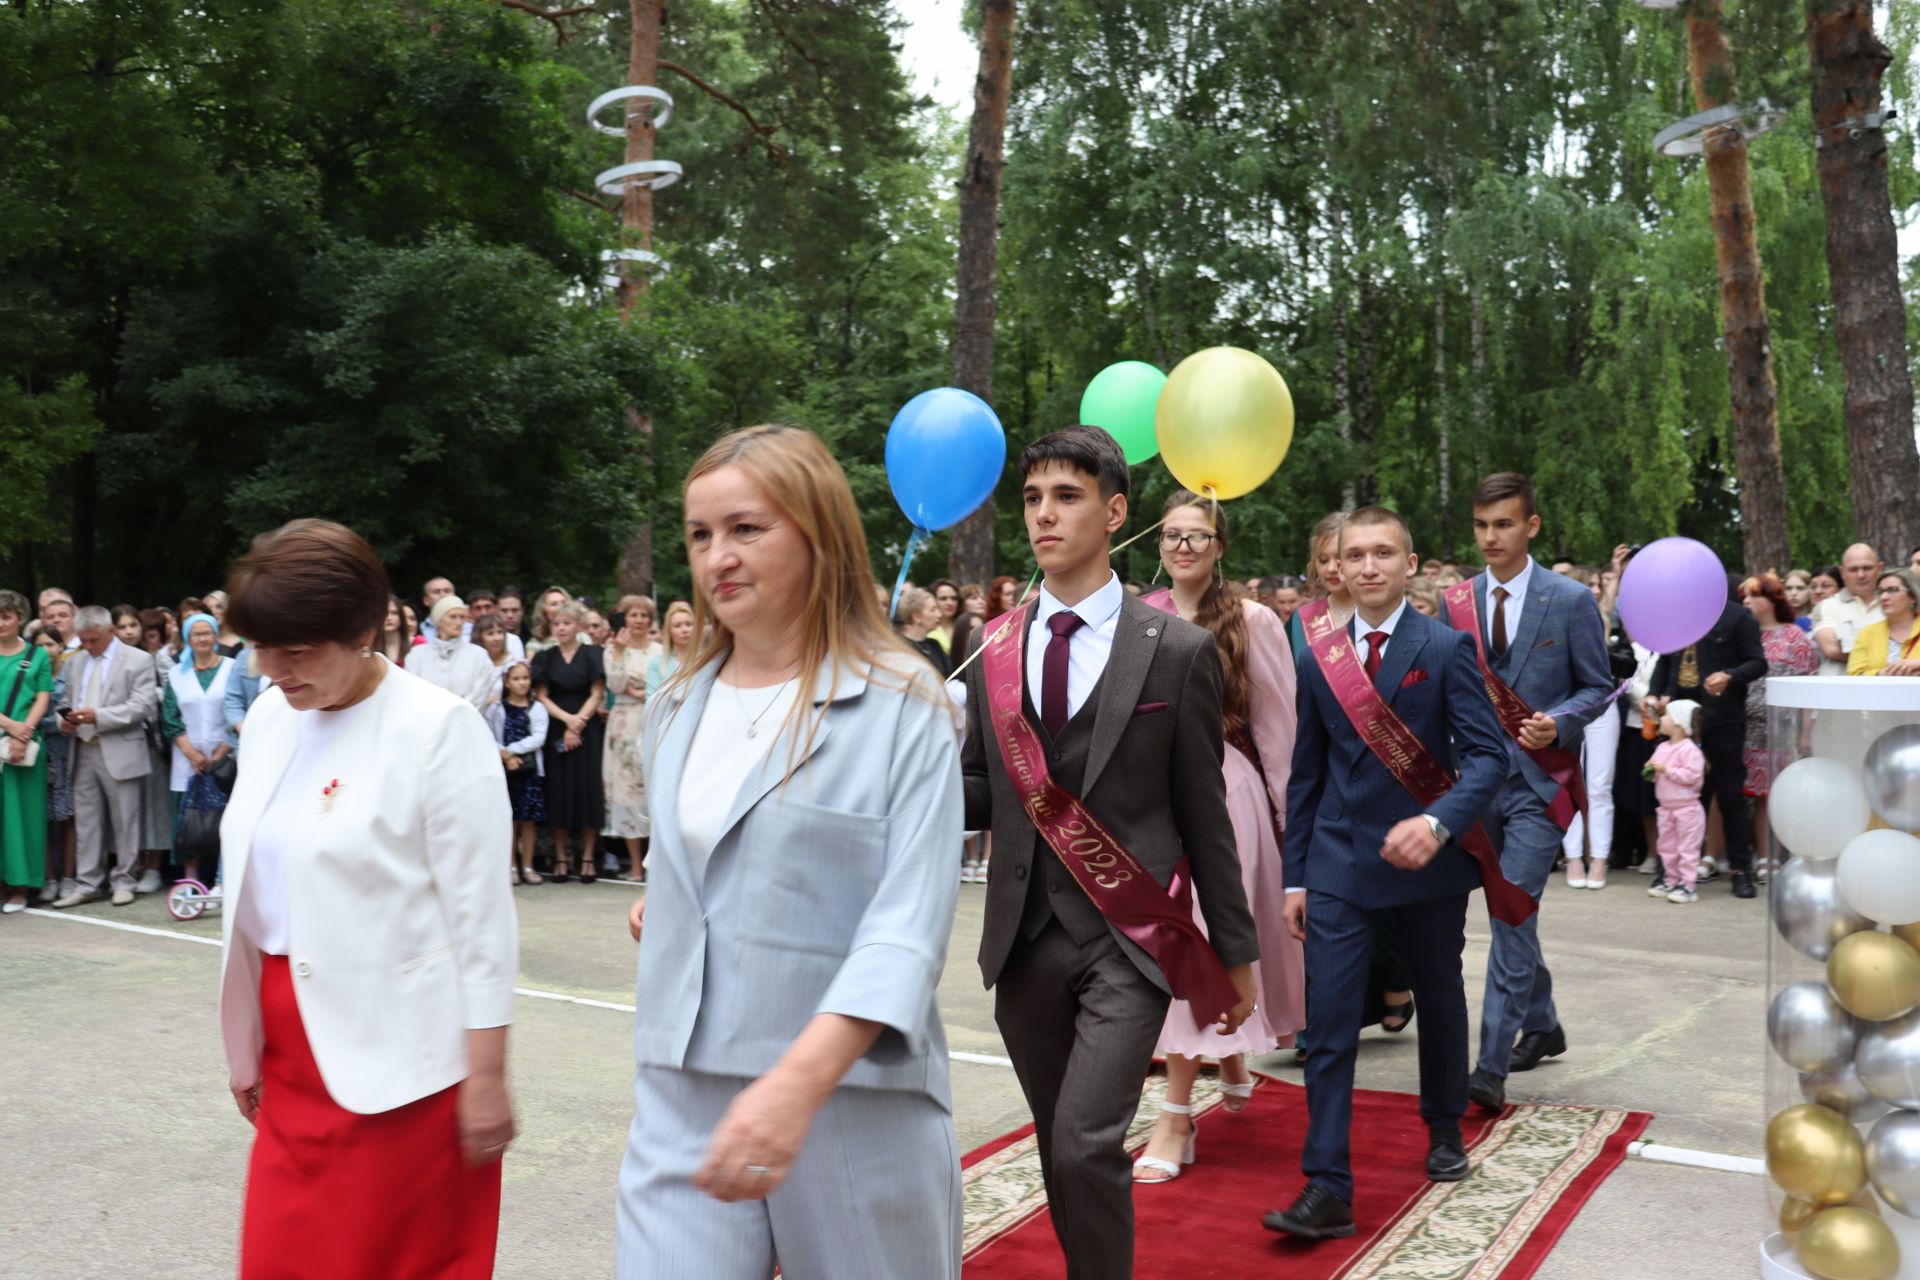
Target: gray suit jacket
x: 834, y: 893
x: 1557, y: 662
x: 1153, y: 777
x: 127, y: 697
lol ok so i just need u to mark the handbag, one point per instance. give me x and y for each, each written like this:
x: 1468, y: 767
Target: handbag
x: 32, y: 756
x: 224, y: 772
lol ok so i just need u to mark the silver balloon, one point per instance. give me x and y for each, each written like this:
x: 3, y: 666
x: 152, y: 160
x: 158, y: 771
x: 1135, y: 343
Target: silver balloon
x: 1807, y: 909
x: 1893, y: 1161
x: 1887, y: 1059
x: 1809, y: 1029
x: 1893, y: 777
x: 1841, y: 1089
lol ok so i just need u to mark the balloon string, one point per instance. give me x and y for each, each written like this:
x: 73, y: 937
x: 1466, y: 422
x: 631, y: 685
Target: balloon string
x: 1143, y: 533
x: 1006, y: 622
x: 915, y: 541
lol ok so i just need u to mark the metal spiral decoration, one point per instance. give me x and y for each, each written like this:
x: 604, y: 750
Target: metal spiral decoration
x: 655, y: 174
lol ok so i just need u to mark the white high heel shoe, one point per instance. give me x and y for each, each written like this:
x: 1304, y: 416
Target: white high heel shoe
x: 1167, y: 1167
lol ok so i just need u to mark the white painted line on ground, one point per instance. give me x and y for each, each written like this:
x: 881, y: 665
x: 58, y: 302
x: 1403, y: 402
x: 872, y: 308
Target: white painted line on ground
x: 124, y: 928
x: 1696, y: 1159
x: 982, y: 1059
x: 591, y: 1004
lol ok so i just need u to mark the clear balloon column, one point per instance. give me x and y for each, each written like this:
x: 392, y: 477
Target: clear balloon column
x: 1843, y: 1080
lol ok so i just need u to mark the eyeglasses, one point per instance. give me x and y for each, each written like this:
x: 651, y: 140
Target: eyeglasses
x: 1196, y: 540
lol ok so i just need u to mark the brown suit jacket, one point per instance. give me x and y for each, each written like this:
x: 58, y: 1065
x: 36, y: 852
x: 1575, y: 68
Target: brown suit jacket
x: 1153, y: 776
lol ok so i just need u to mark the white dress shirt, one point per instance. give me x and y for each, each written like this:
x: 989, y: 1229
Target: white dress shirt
x: 297, y: 803
x: 1516, y: 600
x: 1360, y: 630
x: 1087, y: 648
x: 722, y: 756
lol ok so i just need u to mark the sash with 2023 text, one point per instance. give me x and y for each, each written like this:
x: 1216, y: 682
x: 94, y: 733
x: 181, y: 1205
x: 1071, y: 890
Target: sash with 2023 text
x: 1123, y: 890
x: 1560, y: 764
x: 1400, y: 749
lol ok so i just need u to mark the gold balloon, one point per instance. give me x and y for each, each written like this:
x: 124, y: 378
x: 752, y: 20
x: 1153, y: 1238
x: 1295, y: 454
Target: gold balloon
x: 1875, y: 975
x: 1814, y: 1154
x: 1224, y: 421
x: 1795, y: 1214
x: 1911, y: 932
x: 1848, y: 1244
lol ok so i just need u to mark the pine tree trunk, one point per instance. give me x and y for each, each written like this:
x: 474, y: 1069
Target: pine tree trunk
x: 1863, y: 266
x: 1743, y: 303
x: 971, y: 556
x: 635, y: 573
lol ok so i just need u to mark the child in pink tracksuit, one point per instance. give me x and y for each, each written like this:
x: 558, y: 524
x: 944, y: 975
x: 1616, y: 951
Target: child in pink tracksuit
x: 1679, y: 768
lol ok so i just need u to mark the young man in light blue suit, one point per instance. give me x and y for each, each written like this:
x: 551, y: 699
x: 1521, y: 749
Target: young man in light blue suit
x: 1543, y: 637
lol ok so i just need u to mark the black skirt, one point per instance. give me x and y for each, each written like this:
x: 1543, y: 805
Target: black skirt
x: 576, y: 796
x: 1631, y: 792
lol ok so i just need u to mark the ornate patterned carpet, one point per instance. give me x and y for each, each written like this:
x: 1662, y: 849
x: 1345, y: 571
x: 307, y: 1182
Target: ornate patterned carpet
x: 1533, y: 1167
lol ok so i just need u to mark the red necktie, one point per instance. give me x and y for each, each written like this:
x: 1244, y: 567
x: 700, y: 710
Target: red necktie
x: 1376, y: 641
x: 1053, y: 672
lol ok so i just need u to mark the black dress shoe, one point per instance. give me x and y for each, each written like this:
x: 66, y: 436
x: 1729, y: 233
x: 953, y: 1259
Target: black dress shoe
x: 1487, y: 1089
x: 1743, y: 884
x: 1446, y: 1154
x: 1317, y: 1215
x: 1535, y: 1045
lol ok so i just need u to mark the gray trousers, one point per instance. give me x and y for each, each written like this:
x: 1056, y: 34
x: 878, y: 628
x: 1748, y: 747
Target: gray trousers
x: 874, y: 1195
x: 104, y: 806
x: 1519, y: 994
x: 1080, y: 1023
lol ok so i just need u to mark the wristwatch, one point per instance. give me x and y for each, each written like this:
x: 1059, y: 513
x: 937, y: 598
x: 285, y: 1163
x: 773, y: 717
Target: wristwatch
x: 1438, y: 828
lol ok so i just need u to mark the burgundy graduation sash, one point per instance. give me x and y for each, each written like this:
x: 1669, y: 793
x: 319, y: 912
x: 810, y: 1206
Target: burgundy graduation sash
x: 1562, y: 765
x: 1123, y: 890
x: 1402, y: 752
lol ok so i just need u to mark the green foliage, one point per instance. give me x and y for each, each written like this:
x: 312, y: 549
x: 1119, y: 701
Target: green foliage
x: 286, y: 257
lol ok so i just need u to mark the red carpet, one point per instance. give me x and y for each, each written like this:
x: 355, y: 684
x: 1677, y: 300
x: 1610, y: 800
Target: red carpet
x: 1534, y: 1167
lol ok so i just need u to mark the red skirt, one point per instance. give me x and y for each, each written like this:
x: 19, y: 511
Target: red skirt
x: 333, y: 1195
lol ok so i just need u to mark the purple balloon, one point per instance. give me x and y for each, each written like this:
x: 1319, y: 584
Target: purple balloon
x: 1672, y: 594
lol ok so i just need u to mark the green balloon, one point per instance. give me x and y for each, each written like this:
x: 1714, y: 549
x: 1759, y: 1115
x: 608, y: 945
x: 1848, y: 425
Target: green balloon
x: 1121, y: 399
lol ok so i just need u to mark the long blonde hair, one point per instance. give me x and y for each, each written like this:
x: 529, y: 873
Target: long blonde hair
x: 840, y: 620
x: 1329, y: 527
x: 540, y: 628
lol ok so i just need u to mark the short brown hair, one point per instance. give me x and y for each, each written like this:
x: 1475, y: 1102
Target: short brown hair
x: 1774, y: 591
x: 1379, y: 515
x: 308, y: 582
x: 1502, y: 485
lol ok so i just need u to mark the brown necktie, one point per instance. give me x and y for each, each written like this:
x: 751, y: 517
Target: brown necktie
x: 1500, y: 622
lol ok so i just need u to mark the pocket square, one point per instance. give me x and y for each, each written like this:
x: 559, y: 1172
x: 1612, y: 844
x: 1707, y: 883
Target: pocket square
x: 1545, y: 644
x: 1414, y: 677
x: 1148, y: 708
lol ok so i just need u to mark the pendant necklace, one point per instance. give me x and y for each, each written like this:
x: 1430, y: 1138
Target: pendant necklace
x: 753, y: 724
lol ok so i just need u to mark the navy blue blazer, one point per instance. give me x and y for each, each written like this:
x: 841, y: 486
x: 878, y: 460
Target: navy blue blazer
x: 1341, y: 801
x: 1557, y: 662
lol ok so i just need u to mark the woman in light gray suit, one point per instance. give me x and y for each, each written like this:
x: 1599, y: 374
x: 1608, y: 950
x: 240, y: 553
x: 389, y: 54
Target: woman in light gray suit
x: 791, y: 1105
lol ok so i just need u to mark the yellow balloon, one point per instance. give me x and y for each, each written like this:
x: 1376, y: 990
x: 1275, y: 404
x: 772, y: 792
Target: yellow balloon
x: 1224, y: 421
x: 1848, y: 1244
x: 1911, y: 932
x: 1874, y: 975
x: 1814, y: 1154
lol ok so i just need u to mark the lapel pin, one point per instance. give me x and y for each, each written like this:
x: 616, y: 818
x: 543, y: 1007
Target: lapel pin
x: 1153, y: 631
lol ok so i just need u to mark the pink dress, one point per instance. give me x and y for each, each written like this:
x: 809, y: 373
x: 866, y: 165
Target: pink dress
x: 1253, y: 804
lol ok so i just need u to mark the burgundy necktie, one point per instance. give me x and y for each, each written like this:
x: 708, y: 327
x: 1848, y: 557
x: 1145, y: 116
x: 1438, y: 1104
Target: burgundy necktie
x: 1499, y: 622
x: 1376, y: 641
x: 1053, y: 672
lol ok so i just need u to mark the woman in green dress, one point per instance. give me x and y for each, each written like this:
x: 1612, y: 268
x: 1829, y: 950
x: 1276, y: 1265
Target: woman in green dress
x: 26, y: 690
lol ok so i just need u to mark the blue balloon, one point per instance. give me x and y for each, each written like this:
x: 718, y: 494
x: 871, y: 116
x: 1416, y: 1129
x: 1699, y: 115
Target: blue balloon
x: 945, y: 453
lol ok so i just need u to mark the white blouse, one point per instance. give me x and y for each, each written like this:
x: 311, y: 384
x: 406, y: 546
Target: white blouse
x: 737, y: 728
x: 263, y: 907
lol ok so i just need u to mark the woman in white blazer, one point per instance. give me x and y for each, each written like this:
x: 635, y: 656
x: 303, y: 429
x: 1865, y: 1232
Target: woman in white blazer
x: 791, y: 1104
x: 369, y: 941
